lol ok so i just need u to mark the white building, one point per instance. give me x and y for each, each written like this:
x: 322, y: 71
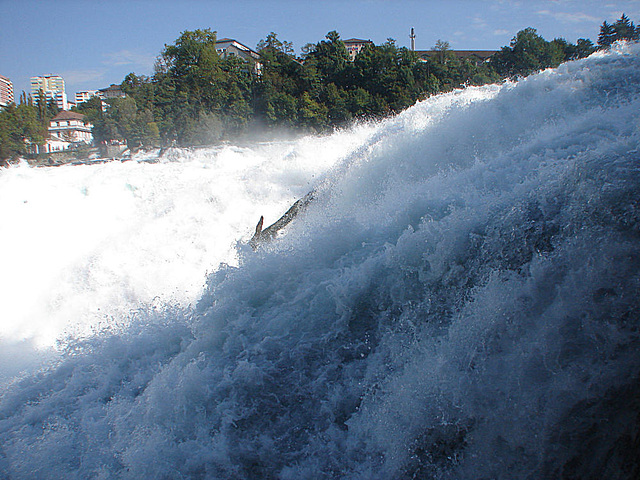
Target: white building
x: 85, y: 95
x: 6, y: 91
x: 53, y: 88
x: 67, y: 129
x: 228, y: 47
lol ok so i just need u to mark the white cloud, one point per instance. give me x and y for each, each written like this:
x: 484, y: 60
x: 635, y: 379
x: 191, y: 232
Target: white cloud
x: 498, y: 5
x: 500, y: 32
x: 73, y: 77
x: 129, y: 57
x: 565, y: 17
x: 479, y: 22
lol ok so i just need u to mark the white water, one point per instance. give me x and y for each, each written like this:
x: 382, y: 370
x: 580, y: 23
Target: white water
x: 460, y: 300
x: 85, y: 245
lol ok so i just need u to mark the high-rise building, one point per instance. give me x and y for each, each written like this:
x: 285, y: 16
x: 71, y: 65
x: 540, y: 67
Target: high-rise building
x: 6, y: 91
x: 53, y: 88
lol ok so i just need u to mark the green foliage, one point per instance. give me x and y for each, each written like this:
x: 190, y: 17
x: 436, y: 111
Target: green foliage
x: 622, y: 29
x: 21, y: 126
x: 528, y: 53
x: 443, y: 51
x: 583, y: 48
x: 272, y: 44
x: 329, y: 59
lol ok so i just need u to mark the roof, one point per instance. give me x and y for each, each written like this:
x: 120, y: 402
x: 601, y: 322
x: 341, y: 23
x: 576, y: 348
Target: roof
x: 233, y: 42
x: 225, y: 44
x: 112, y: 87
x: 67, y: 115
x: 356, y: 40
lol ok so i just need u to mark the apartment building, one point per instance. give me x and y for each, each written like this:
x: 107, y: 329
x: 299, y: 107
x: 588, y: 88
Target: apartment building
x: 53, y: 88
x: 6, y: 91
x: 85, y: 95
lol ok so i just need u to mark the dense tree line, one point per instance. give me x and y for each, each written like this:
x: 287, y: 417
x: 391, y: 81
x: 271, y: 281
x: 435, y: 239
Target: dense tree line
x: 197, y: 97
x: 529, y: 52
x: 23, y: 124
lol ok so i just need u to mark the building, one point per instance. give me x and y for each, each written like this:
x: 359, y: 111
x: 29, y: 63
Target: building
x: 47, y: 83
x: 112, y: 91
x: 53, y: 88
x: 6, y: 91
x: 354, y: 46
x: 228, y: 47
x: 67, y: 129
x: 85, y: 95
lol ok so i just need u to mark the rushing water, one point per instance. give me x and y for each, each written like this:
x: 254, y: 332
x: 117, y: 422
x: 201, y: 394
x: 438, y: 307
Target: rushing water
x: 460, y: 300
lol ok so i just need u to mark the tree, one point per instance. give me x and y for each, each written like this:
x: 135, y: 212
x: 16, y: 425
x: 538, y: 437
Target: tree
x: 20, y: 126
x: 47, y: 109
x: 192, y: 53
x: 584, y: 48
x: 625, y: 29
x: 272, y: 43
x: 11, y: 144
x: 442, y: 50
x: 330, y: 59
x: 140, y: 88
x: 91, y: 109
x: 312, y: 114
x: 528, y: 52
x: 307, y: 48
x: 607, y: 35
x: 622, y: 29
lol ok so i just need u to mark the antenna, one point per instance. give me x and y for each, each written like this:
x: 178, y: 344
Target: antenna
x: 413, y: 40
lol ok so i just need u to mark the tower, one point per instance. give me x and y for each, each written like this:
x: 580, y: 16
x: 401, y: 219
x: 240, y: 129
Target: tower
x: 413, y: 40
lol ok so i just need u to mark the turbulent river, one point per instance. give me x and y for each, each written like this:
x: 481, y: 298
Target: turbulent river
x: 459, y: 301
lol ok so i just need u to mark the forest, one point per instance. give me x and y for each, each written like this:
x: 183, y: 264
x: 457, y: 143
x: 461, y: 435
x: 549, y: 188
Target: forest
x: 196, y: 97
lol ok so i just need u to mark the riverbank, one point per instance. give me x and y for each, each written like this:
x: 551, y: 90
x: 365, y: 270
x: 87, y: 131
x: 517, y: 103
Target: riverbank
x: 75, y: 157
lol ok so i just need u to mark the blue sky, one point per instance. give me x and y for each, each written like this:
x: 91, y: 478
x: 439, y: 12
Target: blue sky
x: 93, y: 43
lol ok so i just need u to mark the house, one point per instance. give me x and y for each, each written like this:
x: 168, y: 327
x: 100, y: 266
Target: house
x: 354, y: 46
x: 228, y: 47
x: 67, y: 129
x: 112, y: 91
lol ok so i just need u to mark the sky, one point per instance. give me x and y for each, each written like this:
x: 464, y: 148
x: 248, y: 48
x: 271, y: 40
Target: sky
x: 94, y: 43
